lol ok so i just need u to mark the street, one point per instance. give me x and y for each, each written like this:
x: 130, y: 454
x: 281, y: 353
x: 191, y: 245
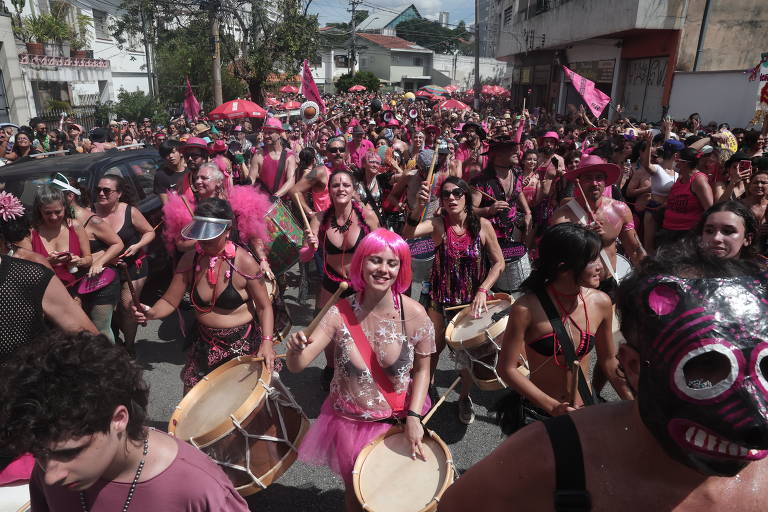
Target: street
x: 303, y: 487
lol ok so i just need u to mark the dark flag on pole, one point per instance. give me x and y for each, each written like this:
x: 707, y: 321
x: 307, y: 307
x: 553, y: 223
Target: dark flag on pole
x: 308, y: 87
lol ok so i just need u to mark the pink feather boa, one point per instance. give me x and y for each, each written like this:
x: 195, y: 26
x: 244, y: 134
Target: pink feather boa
x: 249, y: 205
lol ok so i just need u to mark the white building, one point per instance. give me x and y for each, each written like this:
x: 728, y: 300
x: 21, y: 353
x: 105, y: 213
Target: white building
x: 30, y: 82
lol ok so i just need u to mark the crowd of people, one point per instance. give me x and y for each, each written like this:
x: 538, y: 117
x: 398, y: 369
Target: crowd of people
x: 412, y: 213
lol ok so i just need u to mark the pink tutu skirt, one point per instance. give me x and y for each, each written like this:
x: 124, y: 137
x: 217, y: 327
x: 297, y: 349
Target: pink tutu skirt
x: 335, y: 441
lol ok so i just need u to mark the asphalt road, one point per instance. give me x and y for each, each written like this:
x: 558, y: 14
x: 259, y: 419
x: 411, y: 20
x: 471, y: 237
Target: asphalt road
x: 305, y: 488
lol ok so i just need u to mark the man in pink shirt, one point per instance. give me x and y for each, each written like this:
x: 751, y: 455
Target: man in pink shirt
x: 77, y: 402
x: 358, y: 147
x: 274, y: 167
x: 470, y: 152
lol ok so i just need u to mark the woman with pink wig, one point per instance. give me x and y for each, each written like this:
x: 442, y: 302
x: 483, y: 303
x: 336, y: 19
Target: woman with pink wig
x: 382, y: 344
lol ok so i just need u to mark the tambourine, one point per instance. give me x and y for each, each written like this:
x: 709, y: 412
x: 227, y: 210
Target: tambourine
x: 310, y: 111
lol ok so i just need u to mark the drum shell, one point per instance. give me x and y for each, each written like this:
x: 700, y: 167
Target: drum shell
x: 444, y: 480
x: 515, y: 272
x: 422, y: 258
x: 286, y: 237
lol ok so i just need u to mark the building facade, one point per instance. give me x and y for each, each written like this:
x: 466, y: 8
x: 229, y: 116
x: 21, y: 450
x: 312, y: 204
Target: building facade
x: 635, y: 50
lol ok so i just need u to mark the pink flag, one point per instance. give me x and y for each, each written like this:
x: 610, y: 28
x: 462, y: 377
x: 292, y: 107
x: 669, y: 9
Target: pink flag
x: 308, y: 87
x: 595, y: 99
x: 191, y: 105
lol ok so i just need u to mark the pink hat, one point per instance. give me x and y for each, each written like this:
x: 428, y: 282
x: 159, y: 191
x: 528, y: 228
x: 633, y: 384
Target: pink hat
x: 273, y: 123
x: 219, y: 146
x: 593, y: 163
x: 194, y: 143
x: 551, y: 135
x: 393, y: 122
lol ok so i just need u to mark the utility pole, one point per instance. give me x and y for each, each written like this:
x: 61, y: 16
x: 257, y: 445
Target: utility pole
x: 147, y: 59
x: 477, y: 56
x: 353, y: 48
x: 216, y: 54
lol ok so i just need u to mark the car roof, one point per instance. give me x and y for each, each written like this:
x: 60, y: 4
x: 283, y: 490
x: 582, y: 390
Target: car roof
x: 70, y: 163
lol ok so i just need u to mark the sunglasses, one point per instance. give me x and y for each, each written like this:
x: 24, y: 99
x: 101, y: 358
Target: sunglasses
x: 335, y: 150
x: 194, y: 155
x: 457, y: 192
x: 105, y: 191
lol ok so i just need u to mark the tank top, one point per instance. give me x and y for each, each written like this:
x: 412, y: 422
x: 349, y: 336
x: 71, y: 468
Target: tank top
x: 128, y: 233
x: 661, y: 181
x: 457, y: 274
x: 268, y: 171
x: 62, y: 271
x: 21, y: 303
x: 683, y: 207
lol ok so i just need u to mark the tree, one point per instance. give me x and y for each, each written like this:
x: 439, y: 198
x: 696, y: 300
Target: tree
x: 432, y: 35
x: 366, y: 78
x: 137, y: 105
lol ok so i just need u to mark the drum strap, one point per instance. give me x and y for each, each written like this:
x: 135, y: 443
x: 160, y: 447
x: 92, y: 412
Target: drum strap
x: 280, y: 171
x: 395, y: 400
x: 571, y: 494
x: 584, y: 221
x: 565, y: 342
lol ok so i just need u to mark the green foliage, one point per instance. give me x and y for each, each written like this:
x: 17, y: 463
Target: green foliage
x: 42, y: 28
x: 137, y: 105
x: 366, y: 78
x: 432, y: 35
x: 54, y: 104
x: 79, y: 37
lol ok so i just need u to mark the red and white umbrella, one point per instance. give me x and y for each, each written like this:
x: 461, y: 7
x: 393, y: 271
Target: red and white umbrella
x: 452, y: 105
x: 357, y: 88
x: 451, y: 88
x: 272, y: 102
x: 291, y: 105
x: 289, y: 89
x: 489, y: 90
x: 237, y: 109
x: 469, y: 92
x: 500, y: 91
x: 423, y: 94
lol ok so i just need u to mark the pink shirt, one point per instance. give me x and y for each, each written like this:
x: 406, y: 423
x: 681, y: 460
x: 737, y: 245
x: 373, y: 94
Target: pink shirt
x: 356, y: 153
x: 268, y: 171
x: 192, y: 483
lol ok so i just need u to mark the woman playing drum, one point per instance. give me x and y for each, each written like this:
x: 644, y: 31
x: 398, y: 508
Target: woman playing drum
x: 460, y: 274
x: 368, y: 394
x: 337, y: 232
x: 568, y: 271
x: 226, y: 291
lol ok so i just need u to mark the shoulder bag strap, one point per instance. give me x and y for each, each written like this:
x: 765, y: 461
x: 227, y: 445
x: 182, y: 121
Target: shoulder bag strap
x: 565, y: 342
x: 280, y: 171
x: 395, y: 400
x: 571, y: 494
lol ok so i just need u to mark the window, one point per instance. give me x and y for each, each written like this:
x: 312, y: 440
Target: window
x: 100, y: 24
x: 144, y: 175
x: 341, y: 61
x: 395, y: 59
x: 508, y: 13
x: 418, y: 61
x: 363, y: 62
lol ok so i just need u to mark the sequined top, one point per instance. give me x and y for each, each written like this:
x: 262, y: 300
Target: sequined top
x: 459, y: 268
x: 354, y: 394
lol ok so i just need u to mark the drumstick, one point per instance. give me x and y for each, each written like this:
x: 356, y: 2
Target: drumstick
x: 277, y: 356
x: 184, y: 200
x: 429, y: 178
x: 462, y: 306
x: 134, y: 296
x: 574, y: 382
x: 487, y: 196
x: 334, y: 298
x: 296, y: 197
x: 440, y: 401
x: 586, y: 203
x: 158, y: 225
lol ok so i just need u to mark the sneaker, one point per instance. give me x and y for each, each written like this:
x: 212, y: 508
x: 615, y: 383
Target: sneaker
x: 466, y: 414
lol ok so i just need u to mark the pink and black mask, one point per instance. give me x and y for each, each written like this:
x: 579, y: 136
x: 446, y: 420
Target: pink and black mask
x: 703, y: 382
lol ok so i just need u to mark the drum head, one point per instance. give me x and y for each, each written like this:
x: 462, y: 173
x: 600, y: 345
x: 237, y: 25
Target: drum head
x: 231, y: 389
x: 387, y: 479
x: 465, y: 331
x: 623, y: 267
x: 14, y: 498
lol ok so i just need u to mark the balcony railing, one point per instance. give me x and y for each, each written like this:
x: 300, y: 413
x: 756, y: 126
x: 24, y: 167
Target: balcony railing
x: 51, y: 61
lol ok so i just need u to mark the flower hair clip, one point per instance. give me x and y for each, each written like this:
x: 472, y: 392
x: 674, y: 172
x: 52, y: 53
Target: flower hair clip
x: 10, y: 207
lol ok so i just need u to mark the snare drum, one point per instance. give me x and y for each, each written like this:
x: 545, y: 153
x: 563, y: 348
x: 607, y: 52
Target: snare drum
x: 15, y: 498
x: 623, y: 267
x: 477, y: 341
x: 286, y: 237
x: 385, y: 478
x: 422, y: 257
x: 245, y: 420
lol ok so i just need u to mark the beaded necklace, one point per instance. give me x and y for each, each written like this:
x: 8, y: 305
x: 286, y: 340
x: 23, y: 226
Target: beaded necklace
x: 132, y: 490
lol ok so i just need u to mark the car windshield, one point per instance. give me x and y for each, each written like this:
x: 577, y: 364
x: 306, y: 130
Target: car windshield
x: 26, y: 186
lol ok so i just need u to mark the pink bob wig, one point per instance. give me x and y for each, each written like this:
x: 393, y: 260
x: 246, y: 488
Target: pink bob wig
x: 377, y: 241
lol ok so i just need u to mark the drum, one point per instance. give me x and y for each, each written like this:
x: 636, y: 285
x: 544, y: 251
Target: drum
x: 385, y: 478
x: 516, y: 270
x: 14, y: 498
x: 286, y: 237
x: 623, y: 267
x: 477, y: 341
x: 422, y: 257
x: 246, y: 420
x: 283, y: 322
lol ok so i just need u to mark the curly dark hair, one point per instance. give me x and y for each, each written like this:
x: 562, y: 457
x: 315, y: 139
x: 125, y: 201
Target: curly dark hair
x: 14, y: 230
x: 473, y: 221
x: 66, y: 385
x: 127, y: 195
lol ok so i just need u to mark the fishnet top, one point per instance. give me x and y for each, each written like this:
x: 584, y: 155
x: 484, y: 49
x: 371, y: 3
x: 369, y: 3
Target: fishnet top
x: 354, y: 394
x: 23, y: 284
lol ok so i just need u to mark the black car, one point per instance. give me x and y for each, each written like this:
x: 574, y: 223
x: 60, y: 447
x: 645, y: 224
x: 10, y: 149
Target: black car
x: 138, y: 167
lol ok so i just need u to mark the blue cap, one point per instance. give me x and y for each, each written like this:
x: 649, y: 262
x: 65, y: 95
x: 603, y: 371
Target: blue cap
x: 673, y: 145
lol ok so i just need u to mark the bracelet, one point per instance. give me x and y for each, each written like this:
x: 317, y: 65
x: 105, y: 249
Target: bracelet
x: 411, y: 222
x: 414, y: 414
x: 483, y: 290
x: 266, y: 338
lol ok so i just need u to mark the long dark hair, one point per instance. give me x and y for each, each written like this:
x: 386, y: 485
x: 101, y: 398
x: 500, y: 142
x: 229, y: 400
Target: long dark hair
x: 473, y: 221
x: 563, y: 247
x: 750, y: 225
x: 126, y: 193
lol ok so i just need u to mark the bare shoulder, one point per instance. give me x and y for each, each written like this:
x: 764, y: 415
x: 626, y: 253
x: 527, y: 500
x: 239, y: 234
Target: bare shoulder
x: 413, y: 308
x: 598, y: 297
x: 562, y: 214
x: 246, y: 262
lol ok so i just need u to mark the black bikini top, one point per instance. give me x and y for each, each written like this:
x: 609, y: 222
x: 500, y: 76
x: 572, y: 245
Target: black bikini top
x: 546, y: 344
x: 229, y: 298
x: 331, y: 248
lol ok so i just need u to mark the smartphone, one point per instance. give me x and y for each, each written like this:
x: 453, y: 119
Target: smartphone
x: 745, y: 165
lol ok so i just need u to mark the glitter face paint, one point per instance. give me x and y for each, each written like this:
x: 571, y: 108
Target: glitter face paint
x: 703, y: 393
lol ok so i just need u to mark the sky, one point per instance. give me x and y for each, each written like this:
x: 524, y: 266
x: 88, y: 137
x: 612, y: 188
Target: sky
x: 330, y: 11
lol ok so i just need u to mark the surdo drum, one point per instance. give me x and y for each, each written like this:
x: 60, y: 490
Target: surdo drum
x: 477, y: 341
x: 386, y: 479
x: 245, y: 419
